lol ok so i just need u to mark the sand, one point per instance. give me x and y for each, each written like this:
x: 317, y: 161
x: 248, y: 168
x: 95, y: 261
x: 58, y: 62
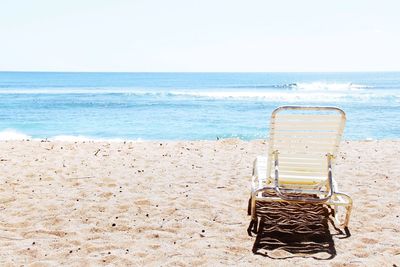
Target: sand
x: 178, y: 204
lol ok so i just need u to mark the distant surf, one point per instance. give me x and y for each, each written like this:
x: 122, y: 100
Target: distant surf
x: 312, y: 93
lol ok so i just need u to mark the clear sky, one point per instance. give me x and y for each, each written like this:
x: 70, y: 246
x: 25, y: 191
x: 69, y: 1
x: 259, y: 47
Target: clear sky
x: 204, y: 35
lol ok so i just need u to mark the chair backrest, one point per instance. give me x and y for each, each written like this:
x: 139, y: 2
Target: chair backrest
x: 303, y: 136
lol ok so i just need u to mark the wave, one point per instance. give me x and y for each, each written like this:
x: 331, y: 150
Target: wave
x: 291, y: 92
x: 295, y: 86
x: 57, y: 91
x: 307, y: 86
x: 323, y: 86
x: 305, y: 94
x: 11, y: 134
x: 261, y: 86
x: 81, y: 138
x: 292, y: 96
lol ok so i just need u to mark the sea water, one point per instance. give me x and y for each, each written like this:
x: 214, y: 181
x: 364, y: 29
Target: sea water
x: 188, y: 106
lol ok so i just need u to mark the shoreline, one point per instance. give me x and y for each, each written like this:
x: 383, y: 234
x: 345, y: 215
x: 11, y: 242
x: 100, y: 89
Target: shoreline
x: 79, y: 139
x: 175, y: 203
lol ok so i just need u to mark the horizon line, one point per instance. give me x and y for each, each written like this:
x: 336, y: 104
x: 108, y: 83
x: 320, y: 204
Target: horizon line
x: 89, y: 71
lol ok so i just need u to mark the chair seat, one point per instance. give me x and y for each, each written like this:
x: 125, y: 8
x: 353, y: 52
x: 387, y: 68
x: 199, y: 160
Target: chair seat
x: 260, y: 170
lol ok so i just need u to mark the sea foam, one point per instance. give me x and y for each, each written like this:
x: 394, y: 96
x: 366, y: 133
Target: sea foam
x: 81, y: 138
x: 331, y: 87
x: 11, y: 134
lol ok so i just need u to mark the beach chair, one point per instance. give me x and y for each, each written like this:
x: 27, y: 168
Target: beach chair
x: 302, y: 147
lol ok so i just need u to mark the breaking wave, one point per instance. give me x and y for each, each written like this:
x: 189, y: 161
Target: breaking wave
x: 11, y: 134
x: 322, y: 86
x: 81, y: 138
x: 291, y: 92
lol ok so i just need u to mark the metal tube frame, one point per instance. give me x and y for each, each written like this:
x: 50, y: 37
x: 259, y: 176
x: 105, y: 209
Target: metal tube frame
x: 333, y: 201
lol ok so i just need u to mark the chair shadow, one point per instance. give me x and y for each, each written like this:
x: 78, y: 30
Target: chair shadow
x: 288, y: 230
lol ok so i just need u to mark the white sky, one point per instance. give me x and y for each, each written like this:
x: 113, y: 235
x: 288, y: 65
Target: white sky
x: 204, y: 35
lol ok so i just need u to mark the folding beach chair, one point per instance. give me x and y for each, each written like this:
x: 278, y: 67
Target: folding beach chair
x: 302, y: 147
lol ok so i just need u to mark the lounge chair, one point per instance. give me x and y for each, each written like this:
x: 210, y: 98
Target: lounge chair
x: 302, y: 147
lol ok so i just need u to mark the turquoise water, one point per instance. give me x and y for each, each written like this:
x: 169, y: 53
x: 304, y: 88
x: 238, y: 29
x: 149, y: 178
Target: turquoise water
x: 189, y: 106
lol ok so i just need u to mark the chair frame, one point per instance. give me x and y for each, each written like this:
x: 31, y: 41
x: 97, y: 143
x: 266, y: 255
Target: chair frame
x: 331, y: 196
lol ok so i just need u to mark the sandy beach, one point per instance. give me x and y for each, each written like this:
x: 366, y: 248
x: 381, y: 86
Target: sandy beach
x: 177, y: 204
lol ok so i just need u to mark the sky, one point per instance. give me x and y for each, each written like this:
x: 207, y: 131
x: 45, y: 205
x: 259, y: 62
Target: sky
x: 199, y: 36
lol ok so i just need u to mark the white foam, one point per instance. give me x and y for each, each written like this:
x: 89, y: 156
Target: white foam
x: 297, y: 92
x: 56, y: 91
x: 311, y: 86
x: 71, y: 138
x: 11, y: 134
x: 277, y: 96
x: 81, y: 138
x: 324, y: 86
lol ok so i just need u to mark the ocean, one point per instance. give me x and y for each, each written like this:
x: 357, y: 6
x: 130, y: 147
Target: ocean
x: 188, y: 106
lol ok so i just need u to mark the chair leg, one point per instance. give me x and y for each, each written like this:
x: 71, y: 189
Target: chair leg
x: 249, y: 207
x: 253, y: 207
x: 347, y: 219
x: 253, y: 227
x: 336, y: 214
x: 254, y: 218
x: 348, y: 212
x: 348, y: 206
